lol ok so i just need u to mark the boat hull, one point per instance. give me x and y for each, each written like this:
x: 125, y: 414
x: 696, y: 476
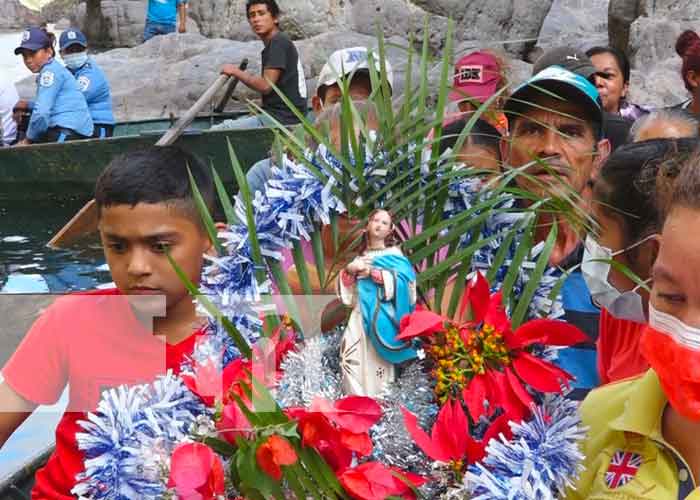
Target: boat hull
x: 70, y: 169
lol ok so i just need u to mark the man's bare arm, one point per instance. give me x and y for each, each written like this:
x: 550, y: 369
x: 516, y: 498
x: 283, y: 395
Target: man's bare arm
x: 260, y: 84
x: 182, y: 17
x: 14, y: 410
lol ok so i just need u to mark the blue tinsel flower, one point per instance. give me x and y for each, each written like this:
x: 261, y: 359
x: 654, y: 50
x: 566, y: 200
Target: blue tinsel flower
x: 128, y: 441
x: 541, y: 459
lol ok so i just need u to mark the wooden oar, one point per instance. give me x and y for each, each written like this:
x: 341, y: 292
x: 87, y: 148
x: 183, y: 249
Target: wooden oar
x: 231, y: 87
x: 85, y: 221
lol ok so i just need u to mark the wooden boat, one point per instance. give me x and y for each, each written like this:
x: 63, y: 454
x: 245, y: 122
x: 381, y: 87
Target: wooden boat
x: 45, y: 171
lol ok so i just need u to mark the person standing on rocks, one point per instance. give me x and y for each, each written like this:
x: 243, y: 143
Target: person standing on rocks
x: 165, y: 16
x: 92, y: 81
x: 281, y: 67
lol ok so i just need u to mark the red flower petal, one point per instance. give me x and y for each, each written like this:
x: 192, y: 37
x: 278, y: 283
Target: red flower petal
x: 420, y: 323
x: 475, y: 395
x: 232, y: 423
x: 496, y: 314
x: 359, y: 442
x: 451, y: 430
x: 196, y: 472
x: 518, y: 389
x: 273, y: 453
x: 542, y: 375
x: 266, y: 461
x: 421, y: 438
x: 478, y: 295
x: 501, y: 395
x: 547, y: 332
x: 375, y: 481
x: 336, y: 456
x: 356, y: 413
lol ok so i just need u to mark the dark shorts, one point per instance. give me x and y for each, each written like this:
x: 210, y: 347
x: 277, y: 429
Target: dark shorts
x: 152, y: 29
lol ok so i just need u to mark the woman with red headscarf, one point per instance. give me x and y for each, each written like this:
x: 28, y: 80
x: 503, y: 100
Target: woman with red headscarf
x: 688, y: 47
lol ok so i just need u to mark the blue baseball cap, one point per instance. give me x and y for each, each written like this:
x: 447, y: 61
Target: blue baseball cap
x: 560, y: 82
x: 33, y: 39
x: 72, y: 37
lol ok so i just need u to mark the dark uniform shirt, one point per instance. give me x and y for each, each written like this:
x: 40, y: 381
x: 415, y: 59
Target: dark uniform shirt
x: 280, y: 53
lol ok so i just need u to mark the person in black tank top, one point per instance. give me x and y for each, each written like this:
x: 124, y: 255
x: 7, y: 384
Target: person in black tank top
x: 281, y: 66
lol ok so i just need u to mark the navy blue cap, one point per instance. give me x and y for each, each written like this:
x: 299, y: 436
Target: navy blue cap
x: 72, y: 37
x: 33, y: 39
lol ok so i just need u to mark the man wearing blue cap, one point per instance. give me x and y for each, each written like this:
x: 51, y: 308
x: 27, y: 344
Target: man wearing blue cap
x: 59, y: 112
x: 91, y: 81
x: 165, y: 16
x: 556, y: 119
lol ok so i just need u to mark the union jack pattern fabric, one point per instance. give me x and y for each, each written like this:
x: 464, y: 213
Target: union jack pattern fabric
x: 622, y: 469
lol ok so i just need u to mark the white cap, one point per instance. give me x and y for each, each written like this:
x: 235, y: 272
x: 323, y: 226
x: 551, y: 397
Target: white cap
x: 344, y: 61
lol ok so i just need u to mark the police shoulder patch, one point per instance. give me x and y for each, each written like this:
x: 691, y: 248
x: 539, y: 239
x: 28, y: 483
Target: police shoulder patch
x: 47, y: 78
x: 83, y: 83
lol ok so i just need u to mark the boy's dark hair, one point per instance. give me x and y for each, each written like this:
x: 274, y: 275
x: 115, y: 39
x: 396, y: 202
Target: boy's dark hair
x: 482, y: 134
x: 157, y: 174
x: 627, y: 184
x: 272, y: 6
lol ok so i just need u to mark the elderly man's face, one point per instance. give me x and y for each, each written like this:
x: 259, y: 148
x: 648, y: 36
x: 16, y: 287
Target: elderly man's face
x: 553, y: 131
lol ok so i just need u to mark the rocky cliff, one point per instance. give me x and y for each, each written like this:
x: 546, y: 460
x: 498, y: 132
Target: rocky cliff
x: 168, y: 73
x: 13, y: 15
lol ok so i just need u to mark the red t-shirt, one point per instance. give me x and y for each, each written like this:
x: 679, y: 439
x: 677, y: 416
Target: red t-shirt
x: 619, y: 356
x: 90, y: 341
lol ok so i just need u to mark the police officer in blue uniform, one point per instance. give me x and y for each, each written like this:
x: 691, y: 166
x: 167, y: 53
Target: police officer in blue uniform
x: 59, y: 112
x: 91, y: 81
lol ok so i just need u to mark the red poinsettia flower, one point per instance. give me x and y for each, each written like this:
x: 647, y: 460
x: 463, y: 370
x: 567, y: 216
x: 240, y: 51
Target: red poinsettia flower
x: 484, y: 360
x: 338, y: 430
x: 376, y: 481
x: 450, y: 440
x: 273, y: 453
x: 196, y: 472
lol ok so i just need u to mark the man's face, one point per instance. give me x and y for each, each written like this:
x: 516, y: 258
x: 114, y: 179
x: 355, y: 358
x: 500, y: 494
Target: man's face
x: 261, y: 20
x: 135, y: 240
x: 554, y: 132
x: 360, y: 90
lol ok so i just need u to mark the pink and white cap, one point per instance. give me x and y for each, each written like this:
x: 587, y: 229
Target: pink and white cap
x: 477, y: 76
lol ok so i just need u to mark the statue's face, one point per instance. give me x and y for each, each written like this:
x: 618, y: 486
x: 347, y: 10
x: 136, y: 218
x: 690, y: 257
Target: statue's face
x: 379, y: 226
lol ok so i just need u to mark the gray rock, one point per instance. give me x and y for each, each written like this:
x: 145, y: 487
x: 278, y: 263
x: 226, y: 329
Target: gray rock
x: 621, y: 15
x: 14, y: 15
x: 577, y: 23
x: 652, y: 47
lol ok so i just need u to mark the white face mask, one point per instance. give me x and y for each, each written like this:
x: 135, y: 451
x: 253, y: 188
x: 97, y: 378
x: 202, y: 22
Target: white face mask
x: 75, y: 60
x: 596, y: 268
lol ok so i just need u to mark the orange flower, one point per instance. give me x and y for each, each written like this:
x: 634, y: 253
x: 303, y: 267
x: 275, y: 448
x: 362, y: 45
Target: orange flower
x: 273, y: 453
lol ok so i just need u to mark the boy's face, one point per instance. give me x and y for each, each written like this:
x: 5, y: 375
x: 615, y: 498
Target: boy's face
x: 135, y: 240
x: 261, y: 20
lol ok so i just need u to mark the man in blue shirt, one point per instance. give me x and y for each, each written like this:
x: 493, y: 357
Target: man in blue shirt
x: 59, y: 112
x: 164, y: 16
x: 91, y: 81
x: 556, y: 119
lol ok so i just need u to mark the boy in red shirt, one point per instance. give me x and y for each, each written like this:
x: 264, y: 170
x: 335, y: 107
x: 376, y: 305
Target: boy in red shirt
x: 126, y: 335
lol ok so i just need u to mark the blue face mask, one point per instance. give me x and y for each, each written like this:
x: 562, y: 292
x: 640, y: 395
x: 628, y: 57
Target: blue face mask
x: 75, y: 60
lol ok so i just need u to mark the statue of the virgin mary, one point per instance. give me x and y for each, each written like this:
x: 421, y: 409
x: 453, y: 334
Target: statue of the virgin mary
x: 380, y: 286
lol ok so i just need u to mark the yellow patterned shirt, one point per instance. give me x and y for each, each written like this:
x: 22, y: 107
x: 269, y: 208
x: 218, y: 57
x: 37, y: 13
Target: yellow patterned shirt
x: 626, y: 456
